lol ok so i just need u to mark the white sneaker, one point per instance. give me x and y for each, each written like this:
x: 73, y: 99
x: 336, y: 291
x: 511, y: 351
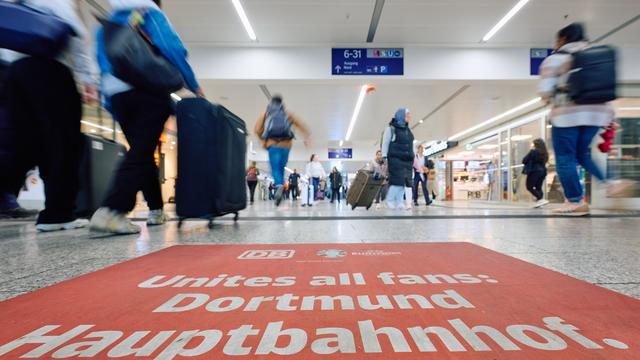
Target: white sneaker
x: 156, y: 217
x: 75, y: 224
x: 107, y: 220
x: 540, y: 203
x: 619, y: 188
x: 573, y: 209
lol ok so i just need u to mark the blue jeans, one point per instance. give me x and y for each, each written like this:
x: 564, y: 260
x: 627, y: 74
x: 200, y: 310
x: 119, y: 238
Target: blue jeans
x: 572, y: 147
x: 316, y: 186
x: 278, y: 157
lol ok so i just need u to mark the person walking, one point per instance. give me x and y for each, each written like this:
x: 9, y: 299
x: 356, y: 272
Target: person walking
x: 336, y: 184
x: 45, y: 105
x: 315, y: 172
x: 432, y: 184
x: 264, y: 188
x: 275, y: 128
x: 141, y: 116
x: 419, y: 177
x: 397, y: 148
x: 535, y: 167
x: 574, y: 125
x: 252, y: 180
x: 379, y: 169
x: 294, y: 178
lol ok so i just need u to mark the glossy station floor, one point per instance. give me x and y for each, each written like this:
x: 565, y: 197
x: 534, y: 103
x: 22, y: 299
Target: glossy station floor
x: 602, y: 249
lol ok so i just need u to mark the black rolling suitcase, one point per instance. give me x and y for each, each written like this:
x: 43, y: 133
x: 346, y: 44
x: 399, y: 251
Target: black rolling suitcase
x: 100, y: 158
x: 364, y: 189
x: 212, y: 154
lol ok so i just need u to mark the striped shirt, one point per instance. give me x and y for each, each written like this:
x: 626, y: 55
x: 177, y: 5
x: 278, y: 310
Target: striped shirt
x: 554, y: 73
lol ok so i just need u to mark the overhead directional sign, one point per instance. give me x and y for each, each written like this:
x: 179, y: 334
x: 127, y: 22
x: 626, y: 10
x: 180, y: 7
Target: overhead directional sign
x: 340, y: 153
x: 537, y: 56
x: 363, y: 61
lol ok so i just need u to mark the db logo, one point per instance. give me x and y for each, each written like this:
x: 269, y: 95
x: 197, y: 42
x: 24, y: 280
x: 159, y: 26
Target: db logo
x: 266, y: 254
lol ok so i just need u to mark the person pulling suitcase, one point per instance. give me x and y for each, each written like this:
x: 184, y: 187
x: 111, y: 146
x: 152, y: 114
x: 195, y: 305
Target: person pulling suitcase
x: 140, y: 111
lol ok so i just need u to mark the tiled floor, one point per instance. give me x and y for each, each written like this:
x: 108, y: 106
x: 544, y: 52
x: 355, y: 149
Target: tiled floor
x: 603, y: 249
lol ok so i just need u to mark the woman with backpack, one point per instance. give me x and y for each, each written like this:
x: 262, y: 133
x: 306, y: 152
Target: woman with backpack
x: 535, y: 167
x: 141, y: 115
x: 275, y: 128
x: 397, y: 148
x: 576, y: 121
x: 252, y: 180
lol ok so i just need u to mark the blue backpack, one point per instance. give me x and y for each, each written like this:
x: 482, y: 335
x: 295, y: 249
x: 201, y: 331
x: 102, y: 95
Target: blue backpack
x: 277, y: 124
x: 592, y: 79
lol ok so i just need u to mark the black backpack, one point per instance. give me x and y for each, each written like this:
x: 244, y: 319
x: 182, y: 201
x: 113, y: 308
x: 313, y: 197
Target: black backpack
x: 592, y: 79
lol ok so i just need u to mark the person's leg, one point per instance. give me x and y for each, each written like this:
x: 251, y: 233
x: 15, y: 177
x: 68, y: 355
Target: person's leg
x: 394, y: 196
x: 141, y: 117
x: 338, y: 191
x: 416, y: 180
x: 151, y: 188
x: 539, y: 185
x: 425, y: 192
x: 252, y: 189
x: 56, y: 110
x: 316, y: 186
x: 583, y: 151
x: 565, y: 143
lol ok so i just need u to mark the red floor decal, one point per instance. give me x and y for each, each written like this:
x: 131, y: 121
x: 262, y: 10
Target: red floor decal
x: 337, y: 301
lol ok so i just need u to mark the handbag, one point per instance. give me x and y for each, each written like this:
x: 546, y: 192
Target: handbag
x: 135, y: 60
x: 32, y: 32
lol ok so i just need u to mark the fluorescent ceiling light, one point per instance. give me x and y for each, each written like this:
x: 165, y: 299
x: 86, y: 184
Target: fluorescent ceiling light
x: 356, y: 111
x: 521, y: 137
x: 175, y: 97
x: 465, y: 153
x: 244, y: 19
x: 495, y: 118
x: 513, y: 125
x: 504, y: 20
x: 98, y: 126
x: 629, y: 109
x: 289, y: 170
x: 341, y: 143
x: 488, y: 147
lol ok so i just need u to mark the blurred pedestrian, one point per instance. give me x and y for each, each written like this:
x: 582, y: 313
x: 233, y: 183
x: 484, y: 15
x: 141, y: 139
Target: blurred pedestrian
x: 535, y: 167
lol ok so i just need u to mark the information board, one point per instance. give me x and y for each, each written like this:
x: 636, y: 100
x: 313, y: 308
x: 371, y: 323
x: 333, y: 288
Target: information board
x: 363, y: 61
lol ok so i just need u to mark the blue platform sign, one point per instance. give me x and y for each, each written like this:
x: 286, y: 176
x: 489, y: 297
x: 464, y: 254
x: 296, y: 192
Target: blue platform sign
x: 537, y: 56
x: 340, y: 153
x: 363, y: 61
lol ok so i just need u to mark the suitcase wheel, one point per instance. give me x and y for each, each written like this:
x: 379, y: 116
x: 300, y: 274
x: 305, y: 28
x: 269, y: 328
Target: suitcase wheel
x: 368, y: 207
x: 210, y: 225
x: 353, y: 207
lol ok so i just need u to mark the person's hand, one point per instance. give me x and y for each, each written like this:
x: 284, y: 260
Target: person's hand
x: 200, y: 93
x: 89, y: 94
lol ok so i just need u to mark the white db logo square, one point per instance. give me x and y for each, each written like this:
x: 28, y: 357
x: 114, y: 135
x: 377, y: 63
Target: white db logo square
x: 266, y: 254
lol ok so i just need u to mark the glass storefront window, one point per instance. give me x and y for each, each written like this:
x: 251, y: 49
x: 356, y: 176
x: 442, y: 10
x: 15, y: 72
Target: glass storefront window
x: 624, y: 158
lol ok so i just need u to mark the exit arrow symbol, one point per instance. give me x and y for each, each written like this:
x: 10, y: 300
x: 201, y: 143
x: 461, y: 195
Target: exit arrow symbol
x: 338, y: 68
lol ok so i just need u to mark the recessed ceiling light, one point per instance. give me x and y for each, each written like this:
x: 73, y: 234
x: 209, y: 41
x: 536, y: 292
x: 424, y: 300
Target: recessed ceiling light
x: 244, y: 19
x: 487, y: 146
x: 504, y: 20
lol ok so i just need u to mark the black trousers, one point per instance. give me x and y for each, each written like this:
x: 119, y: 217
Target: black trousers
x: 252, y: 188
x: 417, y: 180
x: 46, y: 109
x: 141, y: 116
x: 334, y: 193
x: 294, y: 191
x: 534, y: 183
